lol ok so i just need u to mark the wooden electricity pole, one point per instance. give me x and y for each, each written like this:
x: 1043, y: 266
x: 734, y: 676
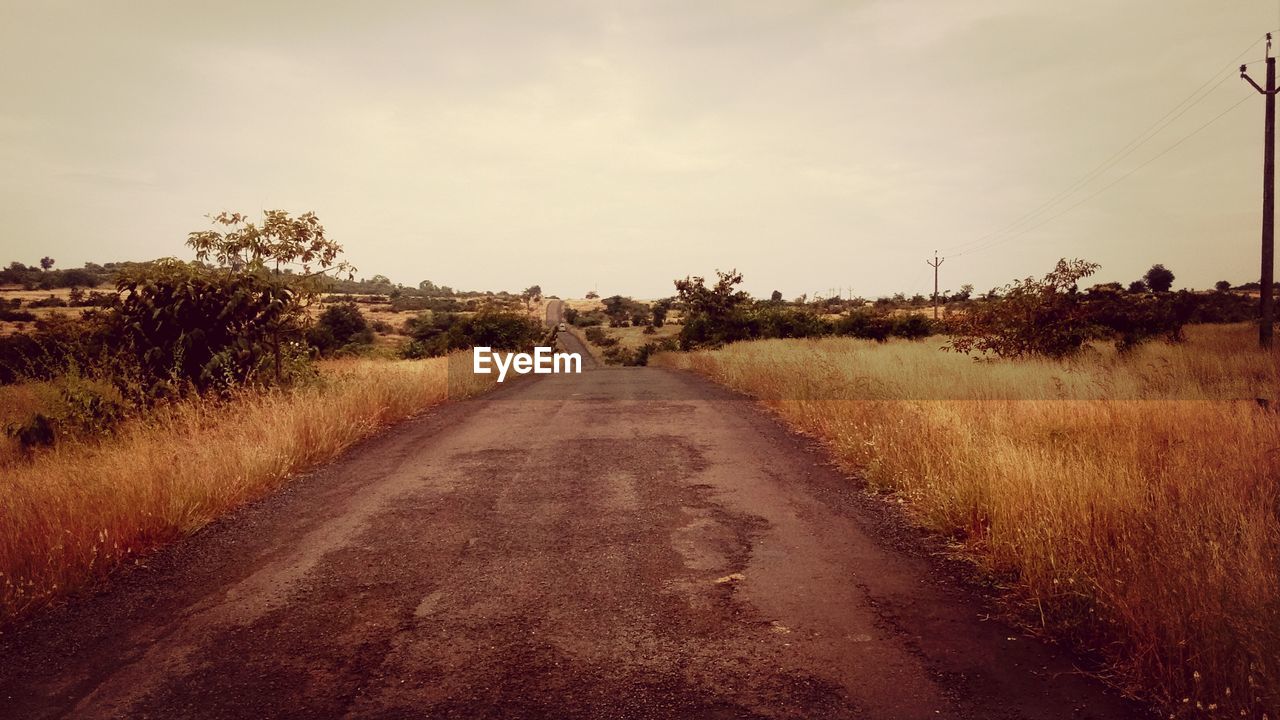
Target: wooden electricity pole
x: 934, y: 263
x: 1266, y: 302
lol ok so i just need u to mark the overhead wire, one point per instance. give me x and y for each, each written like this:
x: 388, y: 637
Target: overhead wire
x: 1113, y: 183
x: 1156, y: 128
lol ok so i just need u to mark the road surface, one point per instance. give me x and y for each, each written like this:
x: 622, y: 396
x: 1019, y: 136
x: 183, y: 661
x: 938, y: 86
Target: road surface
x: 627, y: 543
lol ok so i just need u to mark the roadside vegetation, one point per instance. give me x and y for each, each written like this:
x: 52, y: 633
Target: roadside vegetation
x: 1124, y: 494
x: 68, y: 516
x: 190, y: 387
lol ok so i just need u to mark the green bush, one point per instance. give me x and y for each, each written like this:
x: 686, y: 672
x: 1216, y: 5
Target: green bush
x: 89, y: 408
x: 866, y: 324
x: 184, y: 325
x: 340, y: 328
x: 434, y: 334
x: 597, y: 336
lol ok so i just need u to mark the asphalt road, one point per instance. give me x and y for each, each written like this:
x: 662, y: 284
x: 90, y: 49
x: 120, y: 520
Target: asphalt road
x: 627, y: 543
x: 567, y: 340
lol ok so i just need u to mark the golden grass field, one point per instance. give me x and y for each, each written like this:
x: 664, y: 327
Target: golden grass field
x: 633, y: 337
x: 1128, y: 503
x: 73, y: 512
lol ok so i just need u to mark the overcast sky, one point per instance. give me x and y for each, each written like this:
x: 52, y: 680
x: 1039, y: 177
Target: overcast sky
x: 490, y: 145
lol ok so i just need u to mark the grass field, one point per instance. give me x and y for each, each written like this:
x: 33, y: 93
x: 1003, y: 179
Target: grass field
x: 72, y: 513
x: 634, y: 337
x: 1129, y: 503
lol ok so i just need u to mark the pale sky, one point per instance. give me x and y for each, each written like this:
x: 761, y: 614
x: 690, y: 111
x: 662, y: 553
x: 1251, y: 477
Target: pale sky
x: 488, y: 145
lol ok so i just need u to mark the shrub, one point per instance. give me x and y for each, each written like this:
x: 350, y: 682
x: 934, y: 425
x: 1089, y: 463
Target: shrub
x: 16, y: 315
x: 51, y: 301
x: 88, y: 407
x: 866, y: 324
x: 339, y: 328
x: 436, y: 334
x: 913, y: 326
x: 186, y: 325
x: 596, y: 335
x: 1031, y: 317
x: 775, y: 321
x: 36, y: 431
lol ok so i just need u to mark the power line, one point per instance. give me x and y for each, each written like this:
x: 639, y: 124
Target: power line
x: 1110, y: 185
x: 1177, y: 111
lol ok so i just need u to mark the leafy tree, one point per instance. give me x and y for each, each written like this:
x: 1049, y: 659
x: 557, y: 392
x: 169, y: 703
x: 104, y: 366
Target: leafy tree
x: 776, y: 296
x: 1158, y: 278
x: 184, y: 325
x: 1222, y: 286
x: 659, y: 310
x: 592, y: 295
x: 1137, y: 286
x: 442, y: 333
x: 714, y: 314
x: 622, y: 310
x: 256, y: 257
x: 531, y: 295
x: 1032, y: 317
x: 277, y: 243
x: 1130, y: 320
x: 46, y: 263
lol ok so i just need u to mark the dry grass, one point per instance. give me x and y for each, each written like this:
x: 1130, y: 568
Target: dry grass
x: 75, y: 512
x: 1131, y: 504
x: 633, y: 337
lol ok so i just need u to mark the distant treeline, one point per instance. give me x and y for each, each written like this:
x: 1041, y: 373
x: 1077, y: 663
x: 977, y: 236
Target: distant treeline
x: 45, y: 277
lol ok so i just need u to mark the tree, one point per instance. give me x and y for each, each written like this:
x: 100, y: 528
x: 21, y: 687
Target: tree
x: 776, y: 296
x: 185, y: 325
x: 244, y: 249
x: 1222, y: 286
x: 621, y: 309
x: 46, y: 263
x: 713, y: 315
x: 278, y: 243
x: 1137, y: 286
x: 592, y: 295
x: 439, y: 333
x: 340, y: 326
x: 660, y: 309
x: 1032, y: 317
x: 1158, y: 278
x: 531, y: 295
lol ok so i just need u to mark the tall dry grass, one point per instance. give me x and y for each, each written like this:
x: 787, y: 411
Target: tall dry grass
x: 1130, y: 503
x: 74, y: 512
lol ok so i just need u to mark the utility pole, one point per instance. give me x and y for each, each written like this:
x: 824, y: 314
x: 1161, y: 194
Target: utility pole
x: 1266, y: 303
x: 934, y: 263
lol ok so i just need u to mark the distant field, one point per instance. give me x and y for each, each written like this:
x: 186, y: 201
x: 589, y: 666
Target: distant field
x: 1131, y: 502
x: 26, y: 296
x: 634, y: 337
